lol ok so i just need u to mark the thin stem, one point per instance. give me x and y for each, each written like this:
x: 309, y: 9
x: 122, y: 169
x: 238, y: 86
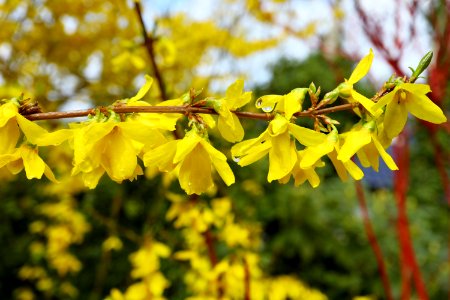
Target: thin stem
x: 373, y: 240
x: 180, y: 110
x: 247, y: 277
x: 148, y: 43
x: 410, y: 268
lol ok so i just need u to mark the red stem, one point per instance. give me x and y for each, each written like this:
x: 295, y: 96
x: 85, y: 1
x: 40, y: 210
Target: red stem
x: 409, y: 266
x: 373, y: 240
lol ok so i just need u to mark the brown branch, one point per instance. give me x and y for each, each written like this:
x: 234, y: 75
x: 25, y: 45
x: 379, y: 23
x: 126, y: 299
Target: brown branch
x: 179, y: 110
x: 373, y: 240
x: 247, y: 278
x: 148, y: 43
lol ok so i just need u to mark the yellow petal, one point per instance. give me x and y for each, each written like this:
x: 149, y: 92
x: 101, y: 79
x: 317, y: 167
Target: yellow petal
x: 235, y: 89
x: 416, y: 88
x: 384, y: 155
x: 364, y: 101
x: 208, y: 120
x: 293, y: 102
x: 7, y: 111
x: 306, y: 136
x: 141, y: 134
x: 425, y: 109
x: 232, y: 134
x: 244, y: 146
x: 242, y: 100
x: 33, y: 164
x: 186, y: 146
x: 255, y: 153
x: 354, y: 170
x: 384, y: 101
x: 354, y: 141
x: 49, y: 174
x: 362, y: 68
x: 162, y: 157
x: 91, y: 179
x: 195, y: 171
x: 372, y: 155
x: 219, y: 161
x: 143, y: 90
x: 278, y: 125
x: 338, y: 165
x: 395, y: 118
x: 9, y: 135
x: 267, y: 103
x: 39, y: 136
x: 282, y: 157
x: 313, y: 153
x: 119, y: 158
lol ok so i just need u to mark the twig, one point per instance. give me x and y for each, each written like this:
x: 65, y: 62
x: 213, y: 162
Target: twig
x: 148, y: 43
x: 373, y: 240
x: 180, y: 110
x: 247, y: 278
x: 409, y: 266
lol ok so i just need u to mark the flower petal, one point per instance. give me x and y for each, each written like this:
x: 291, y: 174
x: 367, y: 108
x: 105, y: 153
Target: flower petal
x: 282, y: 157
x: 354, y: 141
x: 364, y: 101
x: 425, y: 109
x: 33, y: 164
x: 384, y: 155
x: 395, y: 118
x: 232, y: 134
x: 162, y: 157
x: 306, y: 136
x: 9, y: 135
x: 195, y: 171
x: 362, y: 68
x: 312, y: 154
x: 39, y: 136
x: 186, y: 146
x: 143, y: 90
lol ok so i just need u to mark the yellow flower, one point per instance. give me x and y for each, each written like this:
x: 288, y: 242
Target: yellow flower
x: 363, y: 140
x: 112, y: 147
x: 302, y: 174
x: 330, y: 146
x: 195, y: 157
x: 11, y: 121
x: 276, y: 142
x: 408, y: 97
x: 288, y: 104
x: 346, y: 90
x: 228, y: 123
x: 26, y: 157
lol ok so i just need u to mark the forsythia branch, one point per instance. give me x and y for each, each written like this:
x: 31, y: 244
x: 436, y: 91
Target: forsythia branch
x: 178, y: 109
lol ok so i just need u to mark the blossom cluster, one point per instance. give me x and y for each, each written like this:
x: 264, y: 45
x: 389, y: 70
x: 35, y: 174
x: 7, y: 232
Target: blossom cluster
x: 120, y: 144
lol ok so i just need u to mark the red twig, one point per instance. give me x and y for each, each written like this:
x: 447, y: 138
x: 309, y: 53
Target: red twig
x: 409, y: 266
x: 373, y: 240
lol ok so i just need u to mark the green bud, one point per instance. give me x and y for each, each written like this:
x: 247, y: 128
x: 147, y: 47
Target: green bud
x: 423, y: 64
x: 312, y: 88
x: 330, y: 97
x: 345, y: 90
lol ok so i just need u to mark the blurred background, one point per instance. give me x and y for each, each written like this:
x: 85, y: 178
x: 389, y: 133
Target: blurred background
x: 79, y: 54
